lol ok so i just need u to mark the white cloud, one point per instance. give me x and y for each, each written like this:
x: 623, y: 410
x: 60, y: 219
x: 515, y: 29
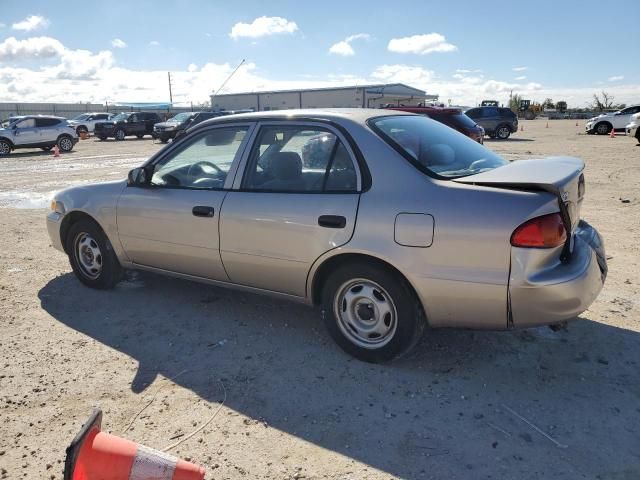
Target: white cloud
x: 421, y: 44
x: 35, y: 47
x: 344, y: 47
x: 519, y: 69
x: 117, y: 43
x: 616, y: 78
x: 521, y: 77
x: 465, y: 70
x: 32, y: 22
x: 192, y: 67
x: 263, y: 26
x: 154, y: 43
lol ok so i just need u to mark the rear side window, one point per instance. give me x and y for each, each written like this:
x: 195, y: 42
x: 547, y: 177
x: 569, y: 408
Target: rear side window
x: 489, y: 112
x: 47, y: 122
x: 433, y: 148
x: 473, y: 113
x: 299, y: 159
x: 506, y: 112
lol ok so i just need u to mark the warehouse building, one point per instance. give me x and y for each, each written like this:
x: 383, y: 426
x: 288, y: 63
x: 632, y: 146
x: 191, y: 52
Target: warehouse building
x: 359, y: 96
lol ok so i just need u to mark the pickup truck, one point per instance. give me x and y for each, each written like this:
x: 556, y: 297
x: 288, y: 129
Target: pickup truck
x: 127, y: 124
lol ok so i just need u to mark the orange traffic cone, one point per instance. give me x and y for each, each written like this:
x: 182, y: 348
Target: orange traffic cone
x: 56, y: 151
x: 522, y: 128
x: 613, y: 133
x: 547, y: 125
x: 95, y: 455
x: 576, y: 124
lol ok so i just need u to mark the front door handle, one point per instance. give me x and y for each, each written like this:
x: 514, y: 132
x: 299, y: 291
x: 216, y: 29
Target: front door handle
x: 203, y: 211
x: 332, y: 221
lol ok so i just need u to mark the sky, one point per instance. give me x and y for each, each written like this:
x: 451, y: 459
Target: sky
x: 464, y: 51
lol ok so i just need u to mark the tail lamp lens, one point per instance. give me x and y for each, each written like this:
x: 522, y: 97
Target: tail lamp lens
x: 546, y: 231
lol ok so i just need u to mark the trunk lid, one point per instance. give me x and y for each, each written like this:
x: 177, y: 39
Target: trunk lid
x: 561, y: 176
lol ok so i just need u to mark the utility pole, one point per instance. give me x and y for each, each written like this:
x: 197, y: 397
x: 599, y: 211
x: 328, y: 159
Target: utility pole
x: 170, y: 94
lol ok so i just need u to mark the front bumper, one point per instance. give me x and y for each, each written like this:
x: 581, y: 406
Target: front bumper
x: 54, y: 221
x: 544, y: 293
x: 632, y: 131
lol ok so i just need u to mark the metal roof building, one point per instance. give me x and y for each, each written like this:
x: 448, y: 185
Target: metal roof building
x: 364, y: 96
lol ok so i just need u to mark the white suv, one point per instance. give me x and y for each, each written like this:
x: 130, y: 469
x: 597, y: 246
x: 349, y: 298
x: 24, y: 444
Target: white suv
x: 603, y: 124
x: 87, y: 121
x: 633, y: 129
x: 36, y: 131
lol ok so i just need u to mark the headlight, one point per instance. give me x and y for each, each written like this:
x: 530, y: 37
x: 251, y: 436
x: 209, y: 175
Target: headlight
x: 57, y: 207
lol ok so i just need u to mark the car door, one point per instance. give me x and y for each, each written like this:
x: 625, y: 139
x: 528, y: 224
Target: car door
x: 172, y: 224
x: 296, y: 199
x: 49, y: 129
x: 135, y: 125
x: 623, y: 118
x: 490, y: 118
x: 25, y: 132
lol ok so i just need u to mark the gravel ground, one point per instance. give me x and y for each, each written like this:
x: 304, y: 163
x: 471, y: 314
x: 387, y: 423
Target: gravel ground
x: 161, y: 356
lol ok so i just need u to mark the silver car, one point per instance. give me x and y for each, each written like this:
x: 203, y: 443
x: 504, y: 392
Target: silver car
x: 390, y: 222
x: 36, y: 131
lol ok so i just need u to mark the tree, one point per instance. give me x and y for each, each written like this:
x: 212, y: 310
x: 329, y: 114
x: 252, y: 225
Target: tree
x: 601, y: 102
x: 548, y: 103
x: 514, y: 102
x: 561, y: 106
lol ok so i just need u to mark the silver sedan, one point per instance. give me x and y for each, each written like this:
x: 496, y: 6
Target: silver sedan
x: 389, y: 222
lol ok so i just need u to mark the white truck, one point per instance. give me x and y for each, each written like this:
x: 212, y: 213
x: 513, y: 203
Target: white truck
x: 87, y: 121
x: 603, y: 124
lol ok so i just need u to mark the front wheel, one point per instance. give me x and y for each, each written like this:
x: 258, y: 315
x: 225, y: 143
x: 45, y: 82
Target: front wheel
x: 120, y: 134
x: 91, y: 255
x: 65, y: 144
x: 503, y: 132
x: 371, y: 312
x: 102, y: 138
x: 603, y: 128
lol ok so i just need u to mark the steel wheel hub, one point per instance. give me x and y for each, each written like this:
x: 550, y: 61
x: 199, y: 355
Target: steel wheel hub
x: 88, y: 255
x: 365, y: 313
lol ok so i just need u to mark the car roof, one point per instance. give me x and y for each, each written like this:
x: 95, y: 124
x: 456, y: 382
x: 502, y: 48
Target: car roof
x: 337, y: 115
x: 41, y: 116
x: 426, y: 109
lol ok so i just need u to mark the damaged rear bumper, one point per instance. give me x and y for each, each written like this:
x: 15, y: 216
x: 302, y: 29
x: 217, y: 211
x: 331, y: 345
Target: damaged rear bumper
x: 543, y: 291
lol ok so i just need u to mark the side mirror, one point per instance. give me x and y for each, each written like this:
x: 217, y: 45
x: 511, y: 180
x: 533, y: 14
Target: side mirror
x: 138, y: 177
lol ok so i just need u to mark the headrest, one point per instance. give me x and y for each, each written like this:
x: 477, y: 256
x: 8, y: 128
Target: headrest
x: 286, y: 166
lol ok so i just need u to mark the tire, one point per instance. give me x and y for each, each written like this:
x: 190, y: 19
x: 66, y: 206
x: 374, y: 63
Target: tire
x: 602, y: 128
x: 140, y: 136
x: 164, y: 139
x: 65, y: 143
x: 5, y: 148
x: 371, y: 312
x: 46, y: 149
x: 120, y: 134
x: 102, y: 138
x: 503, y: 132
x: 81, y: 129
x: 91, y: 255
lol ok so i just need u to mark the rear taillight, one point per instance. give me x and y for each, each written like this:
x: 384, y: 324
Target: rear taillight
x: 541, y: 232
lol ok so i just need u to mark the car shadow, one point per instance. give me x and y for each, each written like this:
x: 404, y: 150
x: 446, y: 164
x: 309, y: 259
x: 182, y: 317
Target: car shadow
x: 39, y: 153
x: 456, y: 408
x: 510, y: 139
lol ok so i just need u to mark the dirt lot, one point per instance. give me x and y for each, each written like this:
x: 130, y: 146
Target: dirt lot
x: 158, y: 355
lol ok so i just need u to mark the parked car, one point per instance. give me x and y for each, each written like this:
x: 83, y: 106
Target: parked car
x: 497, y: 122
x: 87, y: 121
x: 177, y: 125
x: 451, y: 117
x: 632, y: 129
x: 37, y: 131
x: 602, y: 124
x: 127, y: 124
x: 448, y: 234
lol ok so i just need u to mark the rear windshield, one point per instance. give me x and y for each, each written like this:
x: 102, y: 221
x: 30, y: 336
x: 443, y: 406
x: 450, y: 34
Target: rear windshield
x: 435, y: 148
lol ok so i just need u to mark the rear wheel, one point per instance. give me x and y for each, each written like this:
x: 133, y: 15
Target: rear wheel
x: 65, y: 143
x: 503, y: 132
x: 91, y: 255
x: 603, y: 128
x: 140, y: 136
x: 120, y: 134
x: 371, y: 312
x: 102, y: 138
x: 5, y: 147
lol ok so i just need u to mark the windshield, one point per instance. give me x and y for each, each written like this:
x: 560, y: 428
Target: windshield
x: 6, y: 123
x: 435, y: 148
x: 181, y: 117
x: 84, y: 116
x: 119, y: 117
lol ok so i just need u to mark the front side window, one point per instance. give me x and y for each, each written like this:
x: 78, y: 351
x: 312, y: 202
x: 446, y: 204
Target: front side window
x: 203, y: 163
x: 435, y: 148
x: 28, y: 123
x: 299, y: 159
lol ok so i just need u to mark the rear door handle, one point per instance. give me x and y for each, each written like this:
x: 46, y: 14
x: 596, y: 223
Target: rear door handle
x: 332, y: 221
x: 203, y: 211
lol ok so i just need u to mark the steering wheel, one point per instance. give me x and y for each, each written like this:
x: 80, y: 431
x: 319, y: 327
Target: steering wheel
x: 204, y: 163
